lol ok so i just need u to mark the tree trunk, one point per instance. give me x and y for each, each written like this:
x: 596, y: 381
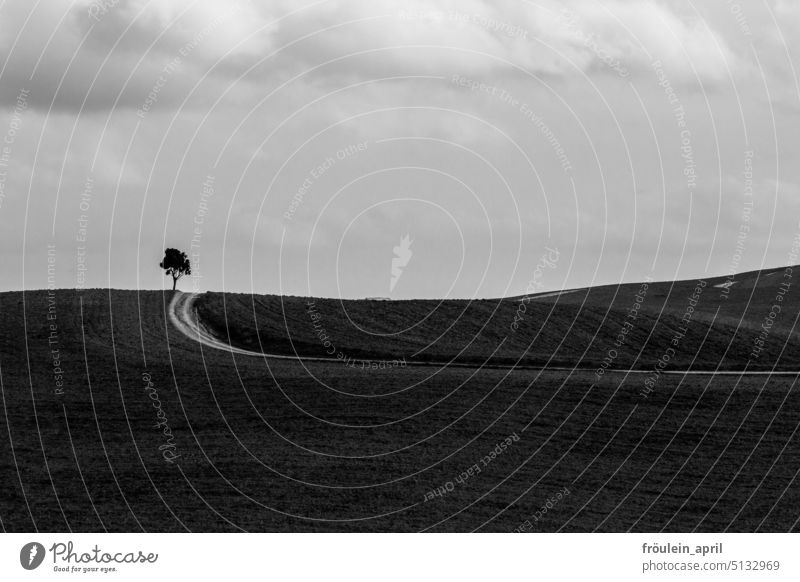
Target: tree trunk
x: 174, y: 283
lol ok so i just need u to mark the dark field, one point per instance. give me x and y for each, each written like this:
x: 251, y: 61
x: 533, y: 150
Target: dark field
x: 264, y: 444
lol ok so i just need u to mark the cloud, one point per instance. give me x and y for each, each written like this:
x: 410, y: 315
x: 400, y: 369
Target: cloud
x: 564, y: 61
x: 72, y: 60
x: 638, y: 33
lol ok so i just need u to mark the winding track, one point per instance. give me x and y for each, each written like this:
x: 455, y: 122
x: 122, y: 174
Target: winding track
x: 184, y: 317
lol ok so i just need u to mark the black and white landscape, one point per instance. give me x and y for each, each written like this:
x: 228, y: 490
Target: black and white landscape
x: 374, y: 266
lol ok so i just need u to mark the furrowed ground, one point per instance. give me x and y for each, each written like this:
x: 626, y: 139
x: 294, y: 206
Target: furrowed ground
x: 263, y: 444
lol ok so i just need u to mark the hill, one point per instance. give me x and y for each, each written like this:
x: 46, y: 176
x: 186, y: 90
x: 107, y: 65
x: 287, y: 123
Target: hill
x: 116, y: 420
x: 716, y: 324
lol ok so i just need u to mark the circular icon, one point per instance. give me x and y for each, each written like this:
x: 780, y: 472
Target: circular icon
x: 31, y: 555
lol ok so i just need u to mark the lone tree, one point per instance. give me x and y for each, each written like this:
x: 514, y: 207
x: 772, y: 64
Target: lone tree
x: 176, y: 264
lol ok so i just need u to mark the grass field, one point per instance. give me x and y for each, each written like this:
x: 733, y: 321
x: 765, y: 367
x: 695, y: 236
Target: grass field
x: 153, y: 431
x: 574, y: 329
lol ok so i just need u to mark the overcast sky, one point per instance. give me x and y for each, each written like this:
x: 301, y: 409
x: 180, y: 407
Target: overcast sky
x: 288, y: 147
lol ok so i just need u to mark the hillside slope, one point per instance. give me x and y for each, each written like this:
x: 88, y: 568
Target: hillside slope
x: 749, y: 323
x: 115, y: 420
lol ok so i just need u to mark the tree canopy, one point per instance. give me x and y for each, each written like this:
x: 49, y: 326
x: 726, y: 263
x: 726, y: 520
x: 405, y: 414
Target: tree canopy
x: 175, y: 264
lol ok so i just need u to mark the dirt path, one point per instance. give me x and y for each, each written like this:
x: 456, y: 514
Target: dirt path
x: 184, y: 317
